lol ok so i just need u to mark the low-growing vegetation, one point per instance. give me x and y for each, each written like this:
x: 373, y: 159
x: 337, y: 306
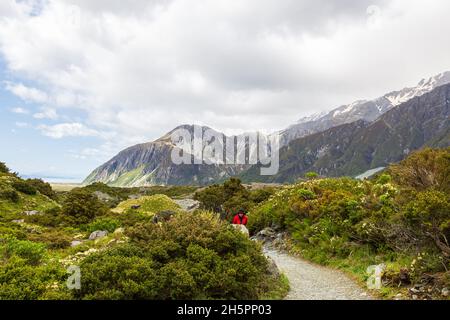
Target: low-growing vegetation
x: 400, y: 218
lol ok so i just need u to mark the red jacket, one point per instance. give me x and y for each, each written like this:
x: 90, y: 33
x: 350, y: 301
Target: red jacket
x: 237, y: 220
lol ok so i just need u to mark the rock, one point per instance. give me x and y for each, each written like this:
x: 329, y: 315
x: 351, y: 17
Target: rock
x: 103, y: 196
x: 414, y: 290
x: 272, y: 267
x: 135, y: 207
x: 398, y: 296
x: 267, y: 232
x: 415, y: 297
x: 98, y: 234
x: 241, y: 228
x: 266, y: 235
x: 188, y: 204
x: 445, y: 292
x: 32, y: 213
x: 163, y: 216
x: 75, y: 243
x: 134, y: 196
x: 18, y: 221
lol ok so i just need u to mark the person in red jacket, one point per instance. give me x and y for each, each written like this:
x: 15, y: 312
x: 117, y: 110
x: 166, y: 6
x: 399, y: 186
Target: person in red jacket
x: 240, y: 218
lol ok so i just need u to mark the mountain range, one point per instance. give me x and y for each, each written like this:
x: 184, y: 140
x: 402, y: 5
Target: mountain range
x: 348, y: 140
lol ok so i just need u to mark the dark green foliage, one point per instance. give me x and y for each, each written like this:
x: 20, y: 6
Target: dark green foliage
x: 24, y: 187
x: 230, y: 197
x: 54, y: 239
x: 10, y: 195
x: 103, y: 223
x: 81, y: 207
x: 31, y: 252
x: 429, y: 168
x: 50, y: 218
x: 193, y: 256
x: 3, y: 168
x: 43, y: 187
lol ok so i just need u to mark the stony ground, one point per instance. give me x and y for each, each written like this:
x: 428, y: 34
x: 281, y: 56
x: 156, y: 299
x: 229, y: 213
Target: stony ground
x: 312, y: 282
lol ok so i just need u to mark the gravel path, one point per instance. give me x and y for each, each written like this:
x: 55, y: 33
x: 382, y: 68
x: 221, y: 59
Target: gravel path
x: 313, y: 282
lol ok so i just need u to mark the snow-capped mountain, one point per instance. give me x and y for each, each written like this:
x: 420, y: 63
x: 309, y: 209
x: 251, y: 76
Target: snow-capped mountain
x: 367, y: 110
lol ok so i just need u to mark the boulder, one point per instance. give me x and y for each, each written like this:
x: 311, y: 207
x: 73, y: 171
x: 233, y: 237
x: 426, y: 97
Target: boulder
x: 188, y: 204
x: 272, y: 268
x: 163, y: 216
x: 18, y: 221
x: 243, y: 229
x: 75, y: 243
x: 102, y: 196
x: 98, y: 235
x: 32, y: 213
x: 445, y: 292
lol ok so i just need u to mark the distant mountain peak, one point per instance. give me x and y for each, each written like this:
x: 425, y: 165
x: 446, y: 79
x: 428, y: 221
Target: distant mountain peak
x: 368, y: 110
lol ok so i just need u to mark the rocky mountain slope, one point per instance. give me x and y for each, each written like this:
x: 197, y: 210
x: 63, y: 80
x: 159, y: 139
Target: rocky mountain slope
x: 368, y: 110
x: 353, y: 148
x: 151, y: 164
x: 327, y: 143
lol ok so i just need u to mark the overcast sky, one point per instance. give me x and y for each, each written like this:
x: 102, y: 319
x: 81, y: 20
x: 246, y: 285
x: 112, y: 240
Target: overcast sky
x: 82, y: 79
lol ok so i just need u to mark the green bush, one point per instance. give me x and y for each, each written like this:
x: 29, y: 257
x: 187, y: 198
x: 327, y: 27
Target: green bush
x: 24, y: 187
x: 103, y: 223
x: 22, y: 281
x: 192, y: 256
x: 54, y: 239
x: 81, y: 207
x: 50, y: 218
x: 43, y: 187
x: 10, y: 195
x: 31, y: 252
x: 3, y: 168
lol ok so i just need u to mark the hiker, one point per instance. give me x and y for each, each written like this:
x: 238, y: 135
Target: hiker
x: 240, y: 218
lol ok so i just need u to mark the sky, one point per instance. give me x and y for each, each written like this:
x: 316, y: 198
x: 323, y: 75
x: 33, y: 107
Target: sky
x: 80, y: 80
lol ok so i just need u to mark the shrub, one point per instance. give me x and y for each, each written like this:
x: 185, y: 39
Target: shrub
x: 55, y: 239
x: 424, y: 169
x: 103, y: 223
x: 24, y: 187
x: 10, y: 195
x: 192, y: 256
x: 31, y: 252
x: 50, y: 218
x: 43, y: 187
x: 21, y: 281
x: 81, y: 207
x: 3, y: 168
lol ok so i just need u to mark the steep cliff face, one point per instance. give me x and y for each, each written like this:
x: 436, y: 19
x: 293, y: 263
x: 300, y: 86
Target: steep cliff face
x: 351, y: 149
x: 151, y: 164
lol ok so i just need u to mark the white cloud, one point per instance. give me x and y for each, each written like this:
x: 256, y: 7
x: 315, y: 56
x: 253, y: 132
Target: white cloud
x: 20, y: 110
x: 140, y: 68
x: 62, y: 130
x: 27, y: 93
x: 46, y: 113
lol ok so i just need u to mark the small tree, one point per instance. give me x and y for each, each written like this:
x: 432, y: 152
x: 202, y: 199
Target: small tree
x: 430, y: 214
x: 311, y: 175
x: 81, y: 207
x: 3, y: 168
